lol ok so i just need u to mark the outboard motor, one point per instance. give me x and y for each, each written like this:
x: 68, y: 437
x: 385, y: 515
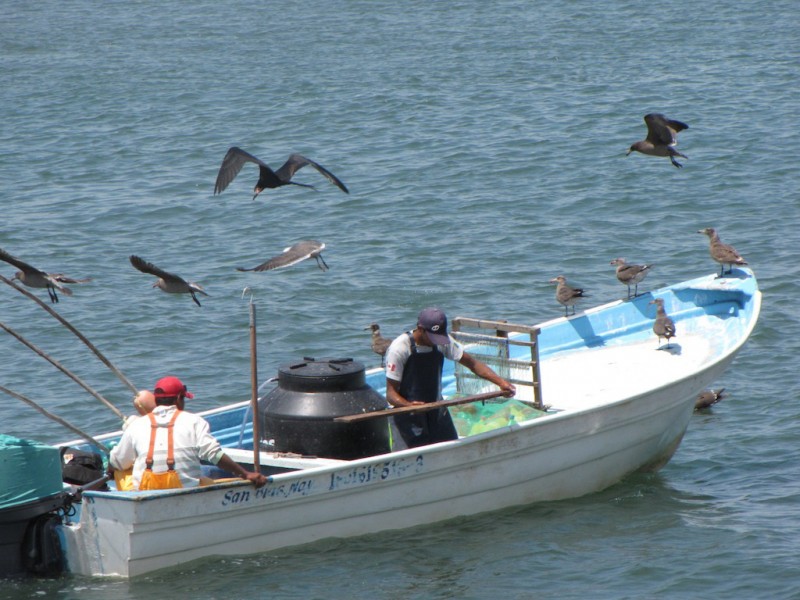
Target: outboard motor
x: 297, y: 416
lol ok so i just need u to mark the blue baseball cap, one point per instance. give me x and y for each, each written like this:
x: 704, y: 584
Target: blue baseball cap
x: 434, y: 322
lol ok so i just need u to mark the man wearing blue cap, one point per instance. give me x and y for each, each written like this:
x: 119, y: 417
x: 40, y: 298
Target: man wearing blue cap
x: 414, y: 376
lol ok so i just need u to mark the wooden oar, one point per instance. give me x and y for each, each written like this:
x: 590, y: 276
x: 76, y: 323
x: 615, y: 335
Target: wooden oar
x: 417, y: 407
x: 64, y: 370
x: 79, y: 335
x: 55, y: 418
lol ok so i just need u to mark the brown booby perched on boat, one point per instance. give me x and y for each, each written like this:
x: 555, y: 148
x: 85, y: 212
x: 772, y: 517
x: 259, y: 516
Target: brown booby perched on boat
x: 708, y: 398
x: 236, y: 158
x: 663, y: 326
x: 661, y: 138
x: 631, y: 275
x: 168, y: 282
x: 722, y: 253
x: 33, y: 277
x: 567, y: 295
x: 379, y: 344
x: 292, y: 255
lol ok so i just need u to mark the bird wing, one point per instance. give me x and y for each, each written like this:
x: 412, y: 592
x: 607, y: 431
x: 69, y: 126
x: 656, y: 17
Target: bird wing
x: 233, y: 162
x: 669, y: 326
x: 662, y: 131
x: 634, y: 273
x: 297, y: 161
x: 146, y: 267
x: 197, y: 288
x: 23, y: 266
x: 290, y: 256
x: 60, y: 277
x: 727, y: 253
x: 56, y: 284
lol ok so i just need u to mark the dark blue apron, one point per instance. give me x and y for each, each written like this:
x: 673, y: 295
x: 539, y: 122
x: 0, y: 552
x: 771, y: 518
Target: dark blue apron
x: 422, y: 376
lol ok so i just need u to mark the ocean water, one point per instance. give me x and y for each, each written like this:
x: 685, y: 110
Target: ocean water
x: 484, y: 148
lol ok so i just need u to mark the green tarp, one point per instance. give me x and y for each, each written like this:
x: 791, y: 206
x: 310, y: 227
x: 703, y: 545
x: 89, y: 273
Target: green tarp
x: 28, y: 471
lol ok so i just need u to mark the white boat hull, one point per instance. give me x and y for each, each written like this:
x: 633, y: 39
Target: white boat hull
x: 593, y: 438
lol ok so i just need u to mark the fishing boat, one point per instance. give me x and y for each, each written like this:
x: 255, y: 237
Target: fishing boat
x: 600, y: 396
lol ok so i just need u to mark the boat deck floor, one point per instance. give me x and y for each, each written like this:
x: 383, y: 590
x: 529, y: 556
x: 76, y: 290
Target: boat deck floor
x: 577, y: 380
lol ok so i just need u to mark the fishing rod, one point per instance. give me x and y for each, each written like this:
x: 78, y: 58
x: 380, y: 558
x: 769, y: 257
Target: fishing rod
x: 64, y: 370
x: 79, y: 335
x: 55, y: 418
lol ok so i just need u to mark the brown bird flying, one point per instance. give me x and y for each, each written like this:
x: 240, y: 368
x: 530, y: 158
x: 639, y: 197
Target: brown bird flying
x: 661, y: 138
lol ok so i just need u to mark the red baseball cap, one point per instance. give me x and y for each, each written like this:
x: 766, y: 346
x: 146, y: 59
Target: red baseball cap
x: 171, y: 386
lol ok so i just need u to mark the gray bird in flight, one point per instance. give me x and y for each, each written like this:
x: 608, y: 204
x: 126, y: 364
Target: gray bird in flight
x: 292, y: 255
x: 236, y: 158
x: 33, y: 277
x: 661, y: 138
x: 168, y: 282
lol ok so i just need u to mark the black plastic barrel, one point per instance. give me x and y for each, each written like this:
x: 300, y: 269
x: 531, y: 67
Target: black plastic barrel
x: 297, y: 416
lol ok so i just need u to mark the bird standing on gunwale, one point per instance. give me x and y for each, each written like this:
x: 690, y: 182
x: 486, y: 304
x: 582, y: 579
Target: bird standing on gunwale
x: 631, y: 275
x: 168, y: 282
x: 33, y: 277
x: 236, y: 158
x: 380, y: 344
x: 292, y: 255
x: 722, y: 253
x: 708, y: 398
x: 661, y: 138
x: 663, y: 326
x: 567, y: 295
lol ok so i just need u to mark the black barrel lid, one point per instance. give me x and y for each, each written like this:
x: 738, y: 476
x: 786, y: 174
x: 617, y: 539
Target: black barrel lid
x: 324, y: 375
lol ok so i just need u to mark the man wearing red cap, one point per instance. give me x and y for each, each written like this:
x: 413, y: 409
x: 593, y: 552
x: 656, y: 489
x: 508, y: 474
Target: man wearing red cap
x: 414, y: 376
x: 165, y: 446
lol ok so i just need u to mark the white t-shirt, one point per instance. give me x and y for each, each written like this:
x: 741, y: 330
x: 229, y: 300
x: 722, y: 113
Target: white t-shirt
x: 192, y: 440
x: 400, y: 349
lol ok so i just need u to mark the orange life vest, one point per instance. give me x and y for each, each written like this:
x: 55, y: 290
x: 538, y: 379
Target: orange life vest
x: 168, y: 479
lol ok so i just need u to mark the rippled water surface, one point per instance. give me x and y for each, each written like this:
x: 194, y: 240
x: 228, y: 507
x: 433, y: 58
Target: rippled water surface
x: 484, y: 148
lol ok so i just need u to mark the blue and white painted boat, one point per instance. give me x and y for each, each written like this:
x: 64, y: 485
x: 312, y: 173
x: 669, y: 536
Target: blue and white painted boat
x: 617, y: 402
